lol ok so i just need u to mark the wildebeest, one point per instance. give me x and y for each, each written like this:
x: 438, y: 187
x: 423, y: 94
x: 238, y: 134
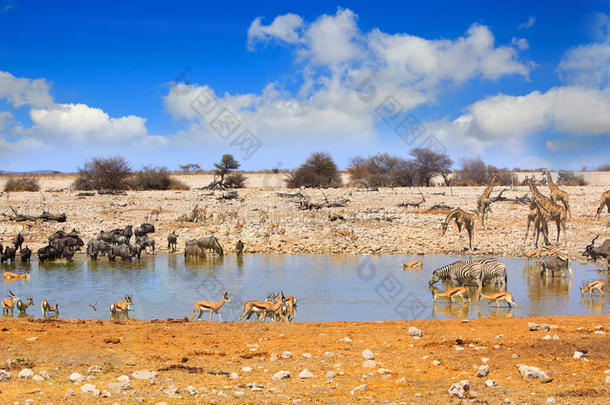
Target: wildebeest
x: 126, y: 232
x: 95, y: 247
x: 124, y: 251
x: 47, y: 253
x: 146, y: 242
x: 172, y: 240
x: 68, y: 242
x: 8, y: 255
x: 18, y: 241
x: 192, y: 249
x: 25, y: 254
x: 144, y: 229
x: 66, y: 253
x: 240, y: 248
x: 61, y: 234
x: 210, y: 243
x: 596, y: 252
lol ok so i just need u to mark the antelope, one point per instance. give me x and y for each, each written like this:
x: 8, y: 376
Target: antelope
x: 538, y: 252
x: 451, y: 293
x: 45, y: 307
x: 291, y: 306
x: 210, y: 306
x: 505, y: 296
x: 23, y: 306
x: 15, y: 276
x: 8, y: 304
x: 594, y: 285
x: 122, y: 307
x: 263, y: 308
x: 413, y: 264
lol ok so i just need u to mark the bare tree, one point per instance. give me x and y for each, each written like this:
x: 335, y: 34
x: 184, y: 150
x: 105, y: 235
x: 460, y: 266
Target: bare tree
x: 429, y: 164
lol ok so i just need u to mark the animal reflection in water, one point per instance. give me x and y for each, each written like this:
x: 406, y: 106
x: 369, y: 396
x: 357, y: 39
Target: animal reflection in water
x: 461, y: 302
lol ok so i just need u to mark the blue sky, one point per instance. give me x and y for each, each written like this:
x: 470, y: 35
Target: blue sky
x: 522, y: 84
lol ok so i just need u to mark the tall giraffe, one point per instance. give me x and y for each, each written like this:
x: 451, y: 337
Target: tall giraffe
x: 557, y: 194
x: 484, y: 202
x: 605, y: 200
x: 549, y: 210
x: 461, y: 217
x: 540, y: 225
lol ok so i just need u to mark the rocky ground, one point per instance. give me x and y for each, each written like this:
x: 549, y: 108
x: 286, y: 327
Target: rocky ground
x: 370, y: 223
x: 503, y: 361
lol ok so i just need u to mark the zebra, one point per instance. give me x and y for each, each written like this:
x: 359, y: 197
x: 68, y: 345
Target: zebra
x: 555, y: 262
x: 493, y: 270
x: 459, y: 273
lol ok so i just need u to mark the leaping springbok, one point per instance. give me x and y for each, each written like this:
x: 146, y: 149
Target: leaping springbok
x: 504, y: 296
x: 210, y: 306
x: 594, y: 285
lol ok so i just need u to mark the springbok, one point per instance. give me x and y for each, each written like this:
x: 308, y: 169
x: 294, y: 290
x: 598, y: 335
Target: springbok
x: 210, y: 306
x: 45, y: 307
x: 413, y: 264
x: 23, y: 306
x: 122, y: 307
x: 451, y: 293
x: 262, y: 309
x: 504, y: 296
x: 594, y: 285
x: 8, y: 304
x: 289, y: 307
x: 15, y: 276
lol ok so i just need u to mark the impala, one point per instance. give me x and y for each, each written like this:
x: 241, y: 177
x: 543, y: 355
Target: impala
x: 8, y: 304
x: 45, y: 307
x: 504, y: 296
x: 15, y: 276
x: 594, y: 285
x: 210, y: 306
x: 122, y: 307
x: 263, y: 309
x: 451, y: 293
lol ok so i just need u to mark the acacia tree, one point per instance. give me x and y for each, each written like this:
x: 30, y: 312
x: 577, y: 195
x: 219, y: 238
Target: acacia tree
x: 226, y: 166
x: 109, y: 173
x: 318, y: 171
x: 429, y: 164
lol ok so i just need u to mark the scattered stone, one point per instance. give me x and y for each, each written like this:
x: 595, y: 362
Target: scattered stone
x: 37, y: 378
x: 94, y: 370
x: 465, y: 321
x: 401, y: 380
x: 415, y: 332
x: 328, y: 354
x: 579, y: 355
x: 369, y: 364
x: 274, y: 357
x: 280, y: 375
x: 76, y: 378
x: 239, y: 394
x: 26, y: 373
x: 330, y: 374
x: 90, y: 389
x: 363, y: 387
x: 436, y: 362
x: 306, y: 355
x: 547, y: 337
x: 105, y: 394
x: 233, y: 376
x: 458, y: 348
x: 384, y: 371
x: 5, y: 375
x: 32, y: 339
x: 484, y: 360
x: 118, y: 386
x: 46, y: 375
x: 171, y: 391
x: 368, y: 355
x: 580, y: 329
x: 144, y: 375
x: 500, y: 336
x: 286, y: 355
x: 192, y: 390
x: 346, y: 340
x: 534, y: 372
x: 599, y: 332
x: 489, y: 382
x: 598, y: 327
x: 514, y: 356
x: 306, y: 374
x: 551, y: 400
x: 255, y: 386
x: 459, y: 389
x: 538, y: 327
x: 483, y: 371
x: 70, y: 393
x: 246, y: 369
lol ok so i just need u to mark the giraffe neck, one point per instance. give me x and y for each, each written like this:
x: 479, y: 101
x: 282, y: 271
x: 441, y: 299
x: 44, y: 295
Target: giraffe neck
x: 550, y: 180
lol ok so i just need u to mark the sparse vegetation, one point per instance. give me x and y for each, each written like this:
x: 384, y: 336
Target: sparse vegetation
x: 475, y: 172
x: 235, y: 180
x: 226, y: 165
x: 22, y: 183
x: 190, y: 168
x: 568, y: 178
x: 111, y: 173
x: 155, y: 178
x: 318, y: 171
x: 382, y: 170
x: 429, y: 164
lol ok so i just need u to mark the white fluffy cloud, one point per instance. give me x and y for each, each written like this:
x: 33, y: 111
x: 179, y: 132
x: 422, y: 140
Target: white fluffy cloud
x: 528, y: 24
x: 5, y: 118
x: 285, y: 28
x: 23, y: 91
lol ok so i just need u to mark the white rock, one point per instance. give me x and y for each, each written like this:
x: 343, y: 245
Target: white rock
x: 94, y: 370
x: 306, y: 374
x: 401, y: 380
x: 330, y: 374
x: 306, y: 355
x: 363, y: 387
x: 5, y: 375
x: 32, y: 339
x: 70, y: 393
x: 384, y: 371
x: 123, y: 378
x: 105, y: 394
x: 90, y: 389
x: 415, y: 332
x: 286, y: 355
x: 144, y: 375
x: 551, y: 400
x: 608, y: 379
x: 489, y: 382
x: 346, y: 340
x: 280, y: 375
x: 246, y: 369
x: 538, y: 326
x: 46, y: 375
x: 459, y: 389
x: 369, y: 364
x: 26, y: 373
x: 233, y: 376
x: 118, y: 386
x: 37, y: 378
x: 436, y: 362
x: 484, y: 360
x: 192, y: 390
x: 368, y: 355
x: 328, y: 354
x: 534, y: 372
x: 172, y: 390
x: 274, y: 357
x: 578, y: 355
x: 76, y: 378
x: 483, y: 371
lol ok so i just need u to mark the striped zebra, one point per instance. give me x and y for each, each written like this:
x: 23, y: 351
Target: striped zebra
x: 493, y: 270
x: 459, y: 273
x: 555, y: 262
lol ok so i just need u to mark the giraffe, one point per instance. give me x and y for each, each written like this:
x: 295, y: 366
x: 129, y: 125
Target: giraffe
x: 557, y: 194
x: 540, y: 225
x: 605, y: 200
x: 484, y: 203
x: 549, y: 210
x: 461, y: 218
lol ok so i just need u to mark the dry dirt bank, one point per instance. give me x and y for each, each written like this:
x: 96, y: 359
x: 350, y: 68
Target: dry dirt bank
x: 406, y: 370
x: 371, y: 222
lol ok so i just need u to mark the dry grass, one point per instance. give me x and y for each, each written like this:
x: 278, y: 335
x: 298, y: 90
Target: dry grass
x: 22, y: 183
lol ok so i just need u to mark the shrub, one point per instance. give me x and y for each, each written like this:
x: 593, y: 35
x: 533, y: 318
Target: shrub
x: 190, y: 168
x: 110, y: 173
x: 22, y: 183
x: 155, y: 178
x: 382, y: 170
x: 235, y: 180
x: 567, y: 178
x: 318, y: 171
x: 604, y: 168
x: 505, y: 177
x: 473, y: 172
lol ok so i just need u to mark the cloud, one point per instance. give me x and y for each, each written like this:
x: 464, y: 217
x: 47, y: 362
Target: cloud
x: 528, y: 24
x: 284, y: 28
x: 5, y: 118
x: 22, y: 91
x: 589, y: 64
x: 520, y: 43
